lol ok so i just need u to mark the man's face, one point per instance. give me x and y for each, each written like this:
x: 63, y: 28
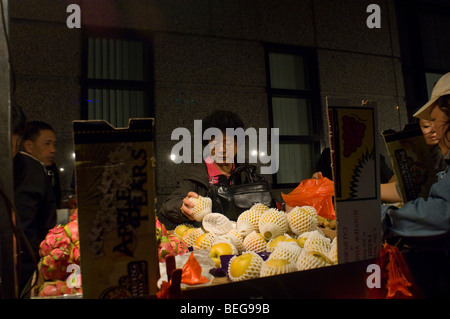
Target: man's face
x: 43, y: 148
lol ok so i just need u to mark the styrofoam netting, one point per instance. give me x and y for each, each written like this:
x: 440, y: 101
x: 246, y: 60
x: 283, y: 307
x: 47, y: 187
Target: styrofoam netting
x: 333, y: 251
x: 236, y: 239
x: 253, y: 269
x: 191, y: 235
x: 202, y: 207
x: 302, y: 219
x: 204, y: 241
x: 307, y: 260
x: 273, y: 267
x: 317, y: 243
x: 287, y: 250
x: 216, y: 223
x: 248, y: 222
x: 272, y: 243
x: 255, y: 242
x: 273, y: 223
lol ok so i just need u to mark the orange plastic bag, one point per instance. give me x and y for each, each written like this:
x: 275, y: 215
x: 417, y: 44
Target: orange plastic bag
x: 396, y: 279
x: 192, y: 272
x: 317, y: 193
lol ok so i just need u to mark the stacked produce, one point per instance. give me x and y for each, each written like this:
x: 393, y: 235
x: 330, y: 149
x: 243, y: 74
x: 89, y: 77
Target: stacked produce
x: 168, y: 243
x: 293, y: 241
x: 60, y: 255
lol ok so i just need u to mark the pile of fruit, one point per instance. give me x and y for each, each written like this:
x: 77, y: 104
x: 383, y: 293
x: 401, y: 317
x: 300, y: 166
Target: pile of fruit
x: 294, y: 241
x: 168, y: 243
x: 60, y: 260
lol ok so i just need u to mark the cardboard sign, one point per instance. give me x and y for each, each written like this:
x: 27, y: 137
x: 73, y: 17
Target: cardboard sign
x: 355, y: 165
x: 411, y: 161
x: 116, y: 208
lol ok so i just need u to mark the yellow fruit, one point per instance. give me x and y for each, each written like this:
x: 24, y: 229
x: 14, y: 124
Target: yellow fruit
x: 245, y: 266
x: 204, y: 241
x: 273, y: 223
x: 255, y: 242
x: 181, y: 229
x: 220, y: 249
x: 272, y: 244
x: 191, y: 235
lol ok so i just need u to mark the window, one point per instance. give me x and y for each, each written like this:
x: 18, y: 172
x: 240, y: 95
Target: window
x: 294, y: 107
x: 116, y: 79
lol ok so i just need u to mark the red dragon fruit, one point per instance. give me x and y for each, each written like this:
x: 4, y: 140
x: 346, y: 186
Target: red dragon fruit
x: 58, y: 250
x: 56, y: 288
x: 71, y: 229
x: 171, y: 244
x: 55, y: 238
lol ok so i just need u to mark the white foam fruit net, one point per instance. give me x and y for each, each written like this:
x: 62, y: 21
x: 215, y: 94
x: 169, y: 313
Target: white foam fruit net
x: 333, y: 251
x: 272, y: 244
x: 236, y: 239
x: 308, y: 260
x: 191, y: 235
x: 248, y: 221
x: 302, y: 219
x: 204, y: 241
x: 286, y: 250
x: 316, y: 243
x: 202, y: 207
x: 276, y: 267
x: 217, y: 224
x: 255, y: 242
x: 253, y: 269
x: 273, y: 223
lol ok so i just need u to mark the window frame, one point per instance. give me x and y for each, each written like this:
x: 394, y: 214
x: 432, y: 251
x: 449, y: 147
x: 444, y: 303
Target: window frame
x: 146, y: 85
x: 312, y: 93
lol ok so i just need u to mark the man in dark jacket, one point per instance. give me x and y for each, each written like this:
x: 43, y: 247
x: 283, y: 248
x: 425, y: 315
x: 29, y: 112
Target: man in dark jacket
x: 36, y: 206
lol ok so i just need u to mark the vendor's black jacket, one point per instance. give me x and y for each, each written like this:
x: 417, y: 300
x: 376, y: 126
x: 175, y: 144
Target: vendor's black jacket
x: 36, y: 206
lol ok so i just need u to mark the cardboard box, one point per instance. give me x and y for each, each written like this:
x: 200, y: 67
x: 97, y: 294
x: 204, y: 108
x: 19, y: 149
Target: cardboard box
x: 411, y: 162
x: 355, y: 164
x: 116, y: 208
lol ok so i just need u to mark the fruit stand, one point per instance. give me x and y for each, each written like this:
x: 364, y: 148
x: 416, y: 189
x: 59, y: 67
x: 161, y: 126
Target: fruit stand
x: 314, y: 249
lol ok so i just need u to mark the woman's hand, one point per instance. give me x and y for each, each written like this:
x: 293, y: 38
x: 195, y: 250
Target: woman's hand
x: 187, y: 205
x: 317, y: 175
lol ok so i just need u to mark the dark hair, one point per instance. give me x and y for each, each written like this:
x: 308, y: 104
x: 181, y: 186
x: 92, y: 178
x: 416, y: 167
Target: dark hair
x: 34, y: 128
x: 18, y: 120
x: 222, y: 120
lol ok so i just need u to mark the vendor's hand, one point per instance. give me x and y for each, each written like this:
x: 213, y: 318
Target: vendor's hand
x: 317, y: 175
x: 187, y: 205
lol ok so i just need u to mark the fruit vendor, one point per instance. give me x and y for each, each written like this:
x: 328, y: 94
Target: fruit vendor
x: 196, y: 181
x: 423, y: 225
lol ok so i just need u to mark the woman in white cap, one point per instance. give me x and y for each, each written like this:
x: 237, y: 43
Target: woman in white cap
x: 424, y: 224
